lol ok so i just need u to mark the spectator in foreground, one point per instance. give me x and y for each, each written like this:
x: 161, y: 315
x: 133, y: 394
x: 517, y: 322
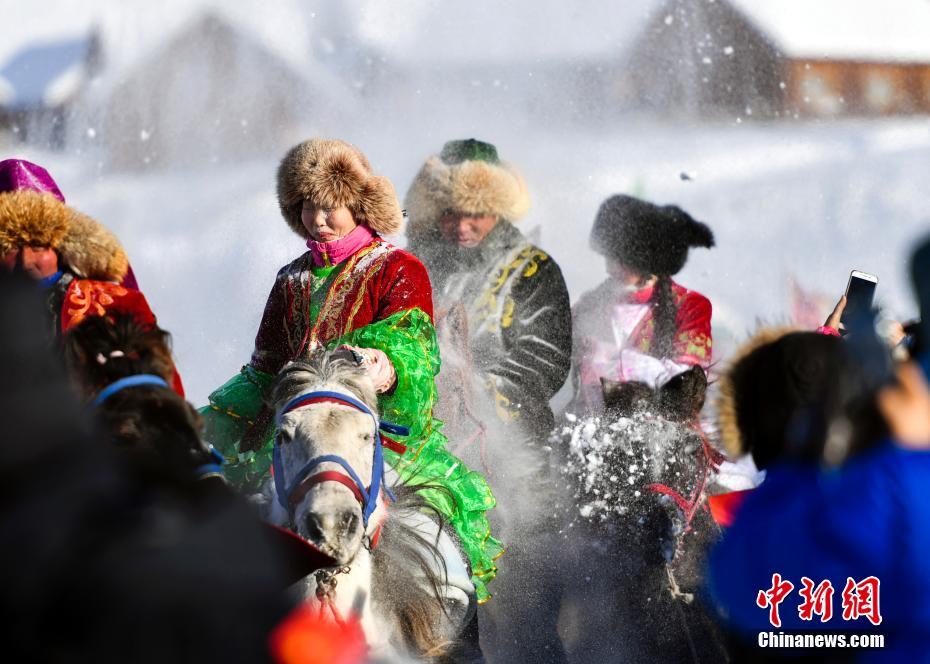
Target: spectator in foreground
x: 861, y: 526
x: 92, y: 568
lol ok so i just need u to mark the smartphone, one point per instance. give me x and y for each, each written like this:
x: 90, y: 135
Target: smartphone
x: 860, y: 291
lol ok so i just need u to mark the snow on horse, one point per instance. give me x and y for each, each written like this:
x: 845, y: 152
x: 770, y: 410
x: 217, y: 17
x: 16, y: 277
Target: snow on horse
x: 641, y: 525
x: 394, y: 568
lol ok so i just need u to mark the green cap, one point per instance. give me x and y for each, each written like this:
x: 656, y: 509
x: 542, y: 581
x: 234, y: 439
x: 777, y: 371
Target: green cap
x: 470, y: 149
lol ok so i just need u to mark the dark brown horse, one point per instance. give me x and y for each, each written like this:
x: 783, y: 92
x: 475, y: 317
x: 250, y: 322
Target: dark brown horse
x: 641, y: 528
x: 157, y: 431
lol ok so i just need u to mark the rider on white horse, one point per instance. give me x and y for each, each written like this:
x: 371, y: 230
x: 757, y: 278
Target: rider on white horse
x: 352, y: 288
x: 392, y: 566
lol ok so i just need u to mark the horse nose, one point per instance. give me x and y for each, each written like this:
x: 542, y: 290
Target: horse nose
x: 316, y: 532
x: 335, y: 529
x: 349, y: 523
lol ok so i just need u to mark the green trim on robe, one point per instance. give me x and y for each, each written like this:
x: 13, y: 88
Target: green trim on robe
x: 232, y: 408
x: 408, y: 338
x: 323, y: 279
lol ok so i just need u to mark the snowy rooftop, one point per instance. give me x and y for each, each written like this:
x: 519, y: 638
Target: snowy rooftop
x: 429, y: 32
x: 860, y: 30
x: 132, y: 29
x: 432, y: 31
x: 44, y: 74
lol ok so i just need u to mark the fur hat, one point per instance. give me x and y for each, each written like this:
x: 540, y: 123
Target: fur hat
x: 646, y: 237
x: 332, y: 173
x: 16, y: 174
x: 466, y: 177
x: 92, y: 251
x: 779, y: 394
x: 32, y: 218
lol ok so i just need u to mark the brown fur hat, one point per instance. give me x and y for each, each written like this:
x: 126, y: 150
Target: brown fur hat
x: 92, y: 251
x: 333, y: 173
x: 467, y: 177
x: 30, y: 218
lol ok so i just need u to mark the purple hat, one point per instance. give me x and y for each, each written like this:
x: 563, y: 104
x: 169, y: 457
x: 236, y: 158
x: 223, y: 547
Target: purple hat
x: 16, y: 174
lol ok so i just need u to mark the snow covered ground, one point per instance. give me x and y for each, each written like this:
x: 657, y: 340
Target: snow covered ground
x: 812, y: 200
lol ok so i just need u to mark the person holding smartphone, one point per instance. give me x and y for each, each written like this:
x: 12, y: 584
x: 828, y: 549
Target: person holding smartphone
x: 859, y: 298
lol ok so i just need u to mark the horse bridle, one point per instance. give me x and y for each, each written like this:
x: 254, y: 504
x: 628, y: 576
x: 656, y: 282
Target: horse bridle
x: 305, y: 479
x: 212, y: 469
x: 135, y: 380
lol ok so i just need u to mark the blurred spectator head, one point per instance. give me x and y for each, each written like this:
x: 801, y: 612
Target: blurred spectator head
x: 781, y: 394
x: 95, y: 567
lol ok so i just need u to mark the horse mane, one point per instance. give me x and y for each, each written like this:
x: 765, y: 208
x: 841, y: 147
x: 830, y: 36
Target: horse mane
x: 403, y: 554
x: 323, y: 367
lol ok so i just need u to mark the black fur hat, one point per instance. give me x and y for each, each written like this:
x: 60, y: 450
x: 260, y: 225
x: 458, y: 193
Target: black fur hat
x: 648, y: 238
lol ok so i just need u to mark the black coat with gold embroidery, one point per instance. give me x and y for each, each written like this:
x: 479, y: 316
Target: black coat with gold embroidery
x: 518, y: 317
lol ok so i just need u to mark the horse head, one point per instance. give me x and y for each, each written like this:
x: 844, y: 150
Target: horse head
x: 155, y: 430
x: 329, y: 477
x: 328, y: 468
x: 103, y: 349
x: 678, y: 400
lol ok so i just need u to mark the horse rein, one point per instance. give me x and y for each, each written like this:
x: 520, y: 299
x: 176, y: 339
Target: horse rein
x: 212, y: 469
x: 305, y: 479
x: 708, y: 460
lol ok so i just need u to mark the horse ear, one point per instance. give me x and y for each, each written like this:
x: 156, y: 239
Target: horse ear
x: 682, y: 397
x: 610, y: 389
x: 625, y: 397
x: 345, y: 354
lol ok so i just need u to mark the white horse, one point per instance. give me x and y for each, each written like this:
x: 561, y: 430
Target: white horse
x: 394, y: 567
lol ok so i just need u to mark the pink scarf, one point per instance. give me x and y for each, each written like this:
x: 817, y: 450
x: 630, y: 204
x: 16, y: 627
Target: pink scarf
x: 326, y: 254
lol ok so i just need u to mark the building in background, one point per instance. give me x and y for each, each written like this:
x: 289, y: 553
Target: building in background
x: 185, y: 83
x: 781, y: 58
x: 212, y: 91
x: 40, y: 82
x: 178, y: 84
